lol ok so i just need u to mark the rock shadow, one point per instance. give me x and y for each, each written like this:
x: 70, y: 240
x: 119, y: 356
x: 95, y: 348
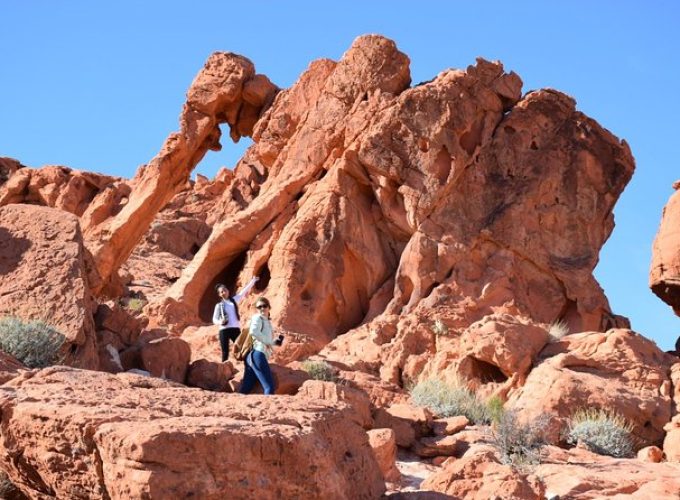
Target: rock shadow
x: 12, y: 250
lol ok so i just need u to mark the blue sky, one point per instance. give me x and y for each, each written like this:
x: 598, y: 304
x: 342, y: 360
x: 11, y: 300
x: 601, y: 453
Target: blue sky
x: 99, y: 85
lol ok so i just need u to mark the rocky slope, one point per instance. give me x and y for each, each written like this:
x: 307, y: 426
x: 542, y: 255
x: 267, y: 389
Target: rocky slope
x: 402, y: 232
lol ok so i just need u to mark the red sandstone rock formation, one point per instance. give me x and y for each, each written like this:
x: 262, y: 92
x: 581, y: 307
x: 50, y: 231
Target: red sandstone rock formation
x: 226, y: 90
x: 79, y: 193
x: 393, y: 206
x: 7, y: 167
x: 618, y: 370
x: 671, y: 443
x: 664, y: 277
x: 43, y: 265
x: 96, y: 435
x: 9, y: 367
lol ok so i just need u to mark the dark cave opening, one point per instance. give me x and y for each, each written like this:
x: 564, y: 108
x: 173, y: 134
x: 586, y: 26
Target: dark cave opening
x: 483, y: 371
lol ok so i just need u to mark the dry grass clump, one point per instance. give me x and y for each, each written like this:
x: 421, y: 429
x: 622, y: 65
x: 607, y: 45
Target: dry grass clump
x: 519, y: 444
x: 557, y: 330
x: 601, y: 431
x: 452, y: 399
x: 439, y: 327
x: 33, y: 343
x: 319, y: 370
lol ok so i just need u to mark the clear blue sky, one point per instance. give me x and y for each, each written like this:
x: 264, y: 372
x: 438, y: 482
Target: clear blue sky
x: 99, y: 85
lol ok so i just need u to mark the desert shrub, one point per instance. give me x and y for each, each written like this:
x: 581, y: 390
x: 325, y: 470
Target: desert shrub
x: 450, y: 399
x: 519, y: 444
x: 439, y: 327
x: 495, y: 409
x: 319, y: 370
x: 601, y: 431
x: 135, y: 305
x: 557, y: 330
x: 33, y: 343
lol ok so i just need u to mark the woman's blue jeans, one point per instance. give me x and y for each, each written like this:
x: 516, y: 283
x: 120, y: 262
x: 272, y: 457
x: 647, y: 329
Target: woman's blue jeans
x: 257, y: 368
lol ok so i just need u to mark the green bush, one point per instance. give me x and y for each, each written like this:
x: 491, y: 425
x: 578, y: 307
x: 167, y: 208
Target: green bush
x: 134, y: 305
x: 449, y: 400
x: 495, y: 409
x: 602, y: 432
x: 520, y: 445
x: 33, y: 343
x: 319, y: 370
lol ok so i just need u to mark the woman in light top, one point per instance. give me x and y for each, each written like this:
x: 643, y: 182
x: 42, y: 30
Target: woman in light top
x: 256, y: 362
x: 226, y: 315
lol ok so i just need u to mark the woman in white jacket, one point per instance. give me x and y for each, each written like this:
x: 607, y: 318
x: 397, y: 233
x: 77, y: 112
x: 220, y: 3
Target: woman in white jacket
x: 256, y: 362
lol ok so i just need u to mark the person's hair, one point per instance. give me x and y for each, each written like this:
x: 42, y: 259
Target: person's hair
x: 220, y: 285
x: 262, y: 301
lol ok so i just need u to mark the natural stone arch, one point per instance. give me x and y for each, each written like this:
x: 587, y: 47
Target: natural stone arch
x: 225, y: 90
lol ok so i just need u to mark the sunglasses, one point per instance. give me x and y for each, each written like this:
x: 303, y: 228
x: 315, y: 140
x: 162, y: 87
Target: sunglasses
x: 263, y: 307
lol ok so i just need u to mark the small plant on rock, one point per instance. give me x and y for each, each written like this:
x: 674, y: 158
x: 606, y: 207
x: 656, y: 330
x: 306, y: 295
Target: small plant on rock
x: 439, y: 327
x: 33, y: 343
x: 319, y: 370
x: 450, y: 399
x: 557, y: 330
x: 520, y: 445
x: 135, y: 305
x: 601, y: 431
x: 495, y: 409
x: 8, y: 490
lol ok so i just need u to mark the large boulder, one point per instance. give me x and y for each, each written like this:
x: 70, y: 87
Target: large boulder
x: 68, y: 433
x: 580, y: 474
x: 618, y: 371
x: 479, y: 475
x: 44, y: 276
x: 664, y: 276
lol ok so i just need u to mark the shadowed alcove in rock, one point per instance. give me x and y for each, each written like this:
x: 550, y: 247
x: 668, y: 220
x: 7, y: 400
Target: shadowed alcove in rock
x: 229, y: 277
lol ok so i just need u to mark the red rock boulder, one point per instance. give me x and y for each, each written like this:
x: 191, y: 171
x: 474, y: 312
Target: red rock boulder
x: 68, y: 433
x: 664, y: 276
x: 44, y: 276
x: 618, y: 371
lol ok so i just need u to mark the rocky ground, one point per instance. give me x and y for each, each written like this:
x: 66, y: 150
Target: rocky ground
x: 446, y: 230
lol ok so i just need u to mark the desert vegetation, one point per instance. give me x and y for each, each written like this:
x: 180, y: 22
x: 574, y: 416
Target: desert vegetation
x: 601, y: 431
x: 319, y: 370
x: 519, y: 444
x: 448, y: 399
x: 33, y: 343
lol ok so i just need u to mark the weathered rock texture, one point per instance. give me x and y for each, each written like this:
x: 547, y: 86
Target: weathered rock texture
x: 68, y: 433
x: 44, y: 276
x: 226, y: 90
x: 61, y: 187
x: 664, y: 277
x: 7, y: 167
x: 454, y: 199
x: 618, y: 371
